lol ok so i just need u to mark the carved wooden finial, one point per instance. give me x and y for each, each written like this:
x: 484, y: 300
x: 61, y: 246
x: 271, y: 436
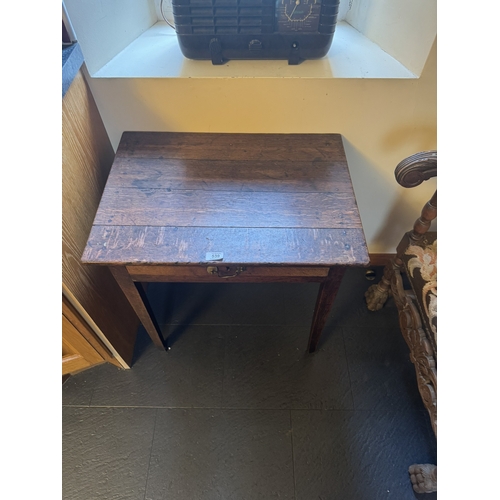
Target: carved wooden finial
x: 416, y: 169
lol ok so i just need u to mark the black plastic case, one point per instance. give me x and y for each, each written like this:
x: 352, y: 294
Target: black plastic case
x: 219, y: 30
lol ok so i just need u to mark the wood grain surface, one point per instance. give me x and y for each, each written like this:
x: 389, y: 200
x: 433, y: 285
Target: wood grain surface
x: 87, y: 157
x: 218, y: 175
x: 258, y: 198
x: 159, y: 207
x: 73, y: 316
x: 138, y: 300
x: 222, y: 273
x: 246, y: 147
x: 131, y: 245
x: 77, y: 352
x: 326, y: 297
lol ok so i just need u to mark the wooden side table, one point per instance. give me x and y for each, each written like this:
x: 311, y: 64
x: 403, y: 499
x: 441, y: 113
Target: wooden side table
x: 202, y: 207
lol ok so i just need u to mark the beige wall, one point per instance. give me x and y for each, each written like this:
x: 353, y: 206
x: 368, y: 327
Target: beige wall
x: 382, y: 121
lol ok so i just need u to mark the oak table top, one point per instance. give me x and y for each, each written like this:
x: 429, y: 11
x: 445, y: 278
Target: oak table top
x: 208, y: 207
x: 260, y: 199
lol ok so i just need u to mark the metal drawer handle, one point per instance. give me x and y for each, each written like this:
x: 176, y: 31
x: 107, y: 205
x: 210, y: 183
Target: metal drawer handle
x: 223, y: 272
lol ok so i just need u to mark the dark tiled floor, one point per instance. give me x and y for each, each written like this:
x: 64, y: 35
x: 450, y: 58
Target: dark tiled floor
x: 237, y: 409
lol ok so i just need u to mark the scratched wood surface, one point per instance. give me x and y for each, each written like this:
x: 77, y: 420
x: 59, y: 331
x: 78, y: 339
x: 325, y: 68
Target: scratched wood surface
x: 199, y: 208
x: 270, y: 199
x: 158, y: 245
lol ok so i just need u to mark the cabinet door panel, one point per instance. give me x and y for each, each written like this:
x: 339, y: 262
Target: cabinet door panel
x: 77, y: 353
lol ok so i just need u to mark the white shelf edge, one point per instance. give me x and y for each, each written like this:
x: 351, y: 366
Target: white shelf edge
x: 156, y: 54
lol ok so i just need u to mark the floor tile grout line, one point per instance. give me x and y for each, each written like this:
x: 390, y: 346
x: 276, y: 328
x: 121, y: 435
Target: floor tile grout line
x: 150, y: 455
x: 270, y: 325
x: 166, y: 325
x: 235, y: 408
x: 293, y: 459
x: 400, y: 413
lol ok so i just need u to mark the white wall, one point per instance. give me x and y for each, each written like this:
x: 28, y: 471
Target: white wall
x: 105, y: 27
x: 382, y: 122
x: 405, y: 29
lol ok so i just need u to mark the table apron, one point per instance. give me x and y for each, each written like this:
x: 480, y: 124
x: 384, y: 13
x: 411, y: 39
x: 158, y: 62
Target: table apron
x: 222, y: 273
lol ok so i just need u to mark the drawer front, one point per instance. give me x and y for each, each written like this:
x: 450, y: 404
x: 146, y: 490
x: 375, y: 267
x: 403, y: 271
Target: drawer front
x: 220, y: 273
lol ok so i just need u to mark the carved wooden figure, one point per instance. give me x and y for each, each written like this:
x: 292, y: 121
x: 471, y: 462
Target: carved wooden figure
x: 416, y: 255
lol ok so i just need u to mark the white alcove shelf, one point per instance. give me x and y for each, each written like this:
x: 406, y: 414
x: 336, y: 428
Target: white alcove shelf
x: 373, y: 39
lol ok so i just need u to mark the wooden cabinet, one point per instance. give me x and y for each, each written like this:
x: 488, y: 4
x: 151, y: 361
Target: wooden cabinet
x: 80, y: 346
x: 98, y: 323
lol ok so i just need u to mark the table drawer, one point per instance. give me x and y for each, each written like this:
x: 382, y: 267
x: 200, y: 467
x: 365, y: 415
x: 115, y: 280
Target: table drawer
x: 217, y: 273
